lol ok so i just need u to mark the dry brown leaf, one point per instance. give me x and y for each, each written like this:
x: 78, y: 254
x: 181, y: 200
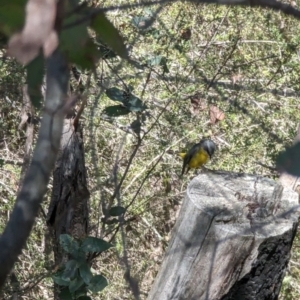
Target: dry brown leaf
x: 235, y: 78
x: 197, y: 104
x: 37, y: 32
x: 215, y: 114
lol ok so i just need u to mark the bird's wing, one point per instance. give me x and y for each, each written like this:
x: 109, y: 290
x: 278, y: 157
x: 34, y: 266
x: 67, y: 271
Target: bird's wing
x: 189, y: 156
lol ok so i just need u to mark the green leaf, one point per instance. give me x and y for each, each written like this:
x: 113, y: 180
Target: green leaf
x: 69, y: 272
x: 85, y: 273
x: 115, y: 94
x: 105, y: 52
x: 109, y: 34
x: 142, y: 22
x: 68, y: 243
x: 116, y: 211
x: 164, y: 65
x: 135, y: 104
x: 84, y: 298
x: 75, y: 284
x: 34, y: 78
x: 154, y: 61
x: 148, y: 12
x: 97, y: 284
x: 58, y: 280
x: 130, y: 101
x: 115, y: 111
x: 12, y: 16
x: 65, y: 294
x: 159, y: 61
x: 92, y: 244
x: 77, y: 45
x: 81, y: 292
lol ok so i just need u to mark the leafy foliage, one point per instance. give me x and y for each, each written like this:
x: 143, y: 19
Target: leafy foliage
x: 116, y: 211
x: 76, y: 273
x: 109, y: 34
x: 255, y: 82
x: 115, y: 111
x: 97, y: 284
x: 92, y: 244
x: 77, y: 45
x: 35, y: 75
x: 129, y: 101
x: 11, y: 16
x: 74, y: 40
x: 159, y: 61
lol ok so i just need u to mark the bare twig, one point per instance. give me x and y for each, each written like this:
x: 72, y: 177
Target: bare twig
x: 272, y: 4
x: 234, y: 47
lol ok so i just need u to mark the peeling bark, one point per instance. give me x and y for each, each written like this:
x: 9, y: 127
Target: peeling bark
x: 68, y: 210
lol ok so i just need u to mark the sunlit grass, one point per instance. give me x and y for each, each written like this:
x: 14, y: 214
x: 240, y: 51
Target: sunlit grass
x: 252, y: 56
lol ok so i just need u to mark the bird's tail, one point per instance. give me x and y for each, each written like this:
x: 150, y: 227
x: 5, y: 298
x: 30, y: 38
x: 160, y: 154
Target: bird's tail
x: 182, y: 172
x: 182, y: 155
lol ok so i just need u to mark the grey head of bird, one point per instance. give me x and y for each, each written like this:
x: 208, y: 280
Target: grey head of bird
x: 209, y: 146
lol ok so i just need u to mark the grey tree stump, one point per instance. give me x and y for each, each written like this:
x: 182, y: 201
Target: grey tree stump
x: 232, y: 240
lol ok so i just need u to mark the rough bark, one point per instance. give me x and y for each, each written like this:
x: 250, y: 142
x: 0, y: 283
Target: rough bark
x: 37, y: 176
x: 232, y: 240
x: 68, y: 211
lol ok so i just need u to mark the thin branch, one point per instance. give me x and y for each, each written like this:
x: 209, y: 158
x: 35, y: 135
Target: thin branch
x: 234, y: 47
x: 271, y: 4
x: 37, y: 176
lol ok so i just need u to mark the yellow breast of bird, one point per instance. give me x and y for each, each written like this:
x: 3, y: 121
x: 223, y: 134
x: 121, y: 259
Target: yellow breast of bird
x: 198, y: 159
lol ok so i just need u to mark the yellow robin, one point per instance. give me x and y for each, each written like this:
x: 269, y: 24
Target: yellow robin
x: 198, y: 155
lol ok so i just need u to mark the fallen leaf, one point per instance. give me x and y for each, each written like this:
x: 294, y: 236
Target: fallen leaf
x: 197, y: 104
x: 39, y: 24
x: 215, y: 114
x: 235, y: 78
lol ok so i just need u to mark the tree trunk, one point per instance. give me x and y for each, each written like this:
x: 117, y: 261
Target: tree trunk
x: 232, y: 240
x: 68, y: 211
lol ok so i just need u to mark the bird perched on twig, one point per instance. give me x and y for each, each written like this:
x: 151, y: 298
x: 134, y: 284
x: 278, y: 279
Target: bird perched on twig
x: 198, y: 155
